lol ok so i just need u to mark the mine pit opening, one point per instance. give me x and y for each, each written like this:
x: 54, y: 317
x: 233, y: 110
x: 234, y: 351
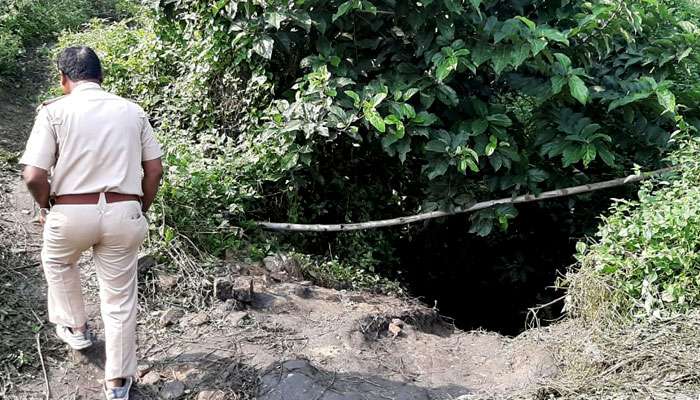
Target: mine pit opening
x: 491, y: 282
x: 486, y: 283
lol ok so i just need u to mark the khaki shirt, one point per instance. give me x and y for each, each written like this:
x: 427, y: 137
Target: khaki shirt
x: 91, y: 141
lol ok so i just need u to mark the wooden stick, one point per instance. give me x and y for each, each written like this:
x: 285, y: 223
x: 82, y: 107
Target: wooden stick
x: 552, y: 194
x: 43, y: 367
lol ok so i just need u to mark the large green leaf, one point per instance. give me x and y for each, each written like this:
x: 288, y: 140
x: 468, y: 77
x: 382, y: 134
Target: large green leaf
x: 500, y: 59
x: 376, y: 120
x: 481, y: 53
x: 344, y: 9
x: 501, y: 120
x: 553, y: 34
x: 589, y: 154
x: 425, y: 118
x: 453, y: 6
x: 446, y: 66
x: 263, y: 46
x: 447, y: 95
x: 564, y: 60
x: 528, y: 22
x: 479, y: 126
x: 630, y: 98
x: 558, y: 83
x: 275, y: 19
x: 667, y: 100
x: 436, y: 146
x: 354, y: 96
x: 578, y: 89
x: 436, y: 169
x: 476, y: 4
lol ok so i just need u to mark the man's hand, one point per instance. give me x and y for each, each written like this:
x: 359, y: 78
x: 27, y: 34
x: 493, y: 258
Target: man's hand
x: 152, y: 172
x: 43, y: 213
x: 37, y: 181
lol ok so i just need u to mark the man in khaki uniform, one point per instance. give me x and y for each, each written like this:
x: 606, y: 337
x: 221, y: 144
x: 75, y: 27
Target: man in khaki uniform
x: 93, y: 166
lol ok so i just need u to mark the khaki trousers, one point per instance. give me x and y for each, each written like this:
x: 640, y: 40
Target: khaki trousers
x: 114, y: 231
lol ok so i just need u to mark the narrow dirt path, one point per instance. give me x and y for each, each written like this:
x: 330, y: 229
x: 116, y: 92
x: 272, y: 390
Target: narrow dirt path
x: 204, y: 334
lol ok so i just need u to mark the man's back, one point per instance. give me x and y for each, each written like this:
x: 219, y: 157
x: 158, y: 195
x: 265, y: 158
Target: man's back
x: 95, y: 141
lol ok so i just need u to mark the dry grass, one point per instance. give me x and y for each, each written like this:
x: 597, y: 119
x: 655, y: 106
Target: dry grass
x: 591, y: 298
x: 194, y: 288
x: 650, y: 360
x: 22, y: 310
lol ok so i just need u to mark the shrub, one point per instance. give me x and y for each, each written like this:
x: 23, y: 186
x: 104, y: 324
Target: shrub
x: 334, y: 111
x: 333, y: 273
x: 28, y: 23
x: 128, y: 54
x: 399, y: 107
x: 10, y: 49
x: 645, y: 261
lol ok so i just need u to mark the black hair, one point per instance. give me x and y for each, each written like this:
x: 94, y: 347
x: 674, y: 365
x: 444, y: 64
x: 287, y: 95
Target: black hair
x: 80, y: 63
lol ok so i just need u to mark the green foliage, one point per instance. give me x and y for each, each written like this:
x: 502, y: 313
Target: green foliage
x: 128, y: 55
x: 647, y: 251
x: 332, y: 111
x: 431, y: 83
x: 27, y: 23
x: 7, y: 160
x: 10, y: 50
x: 338, y: 275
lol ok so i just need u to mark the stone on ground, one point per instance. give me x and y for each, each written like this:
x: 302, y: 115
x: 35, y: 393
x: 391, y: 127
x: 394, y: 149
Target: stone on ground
x: 212, y: 395
x: 171, y: 316
x: 198, y: 319
x: 151, y: 378
x: 240, y: 289
x: 172, y: 390
x: 282, y: 267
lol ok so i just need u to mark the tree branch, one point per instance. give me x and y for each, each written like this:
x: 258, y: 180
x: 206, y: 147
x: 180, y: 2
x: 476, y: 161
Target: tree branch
x: 570, y: 191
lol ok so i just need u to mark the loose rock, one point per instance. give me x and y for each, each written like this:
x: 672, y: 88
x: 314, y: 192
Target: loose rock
x: 211, y: 395
x: 197, y: 319
x: 143, y: 369
x: 167, y: 282
x: 234, y: 318
x: 189, y: 377
x: 171, y: 316
x: 172, y: 390
x: 282, y: 267
x: 305, y: 292
x: 226, y: 307
x: 145, y: 263
x: 240, y: 288
x: 299, y: 380
x: 151, y: 378
x: 396, y: 327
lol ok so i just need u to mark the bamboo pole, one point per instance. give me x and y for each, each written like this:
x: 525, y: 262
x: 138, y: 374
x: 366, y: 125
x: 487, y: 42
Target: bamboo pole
x: 552, y: 194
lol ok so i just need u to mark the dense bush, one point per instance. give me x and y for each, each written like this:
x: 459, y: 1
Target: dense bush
x: 335, y: 111
x: 27, y: 23
x: 645, y: 260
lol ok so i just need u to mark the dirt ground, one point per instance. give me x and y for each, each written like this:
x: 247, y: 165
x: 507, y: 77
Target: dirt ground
x: 288, y: 340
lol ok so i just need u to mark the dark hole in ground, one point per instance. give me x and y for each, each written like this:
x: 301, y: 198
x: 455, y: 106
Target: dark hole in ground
x: 487, y: 283
x: 491, y: 282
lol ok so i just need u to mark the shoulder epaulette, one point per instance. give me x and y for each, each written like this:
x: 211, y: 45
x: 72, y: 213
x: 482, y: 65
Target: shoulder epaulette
x: 47, y: 102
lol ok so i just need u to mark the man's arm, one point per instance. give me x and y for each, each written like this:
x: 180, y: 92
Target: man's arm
x: 37, y: 181
x: 152, y: 172
x: 38, y: 158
